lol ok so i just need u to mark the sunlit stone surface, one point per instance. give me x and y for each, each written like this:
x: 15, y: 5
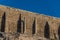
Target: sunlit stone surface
x: 16, y: 24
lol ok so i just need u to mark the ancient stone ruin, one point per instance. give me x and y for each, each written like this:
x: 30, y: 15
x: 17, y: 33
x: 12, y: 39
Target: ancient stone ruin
x: 16, y: 24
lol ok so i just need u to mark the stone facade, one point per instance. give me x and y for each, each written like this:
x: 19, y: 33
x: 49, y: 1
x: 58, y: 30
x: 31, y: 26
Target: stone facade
x: 16, y: 24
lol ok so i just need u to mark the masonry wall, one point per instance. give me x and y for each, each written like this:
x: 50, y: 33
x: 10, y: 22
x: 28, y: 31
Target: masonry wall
x: 23, y: 22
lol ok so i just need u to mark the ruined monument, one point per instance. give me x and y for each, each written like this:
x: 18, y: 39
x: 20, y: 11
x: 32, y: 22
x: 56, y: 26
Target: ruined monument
x: 16, y: 24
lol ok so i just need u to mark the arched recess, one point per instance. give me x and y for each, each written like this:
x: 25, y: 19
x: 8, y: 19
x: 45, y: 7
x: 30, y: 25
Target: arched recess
x: 47, y: 30
x: 59, y: 32
x: 3, y: 22
x: 33, y: 27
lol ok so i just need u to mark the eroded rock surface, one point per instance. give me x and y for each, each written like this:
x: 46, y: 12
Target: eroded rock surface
x: 19, y: 24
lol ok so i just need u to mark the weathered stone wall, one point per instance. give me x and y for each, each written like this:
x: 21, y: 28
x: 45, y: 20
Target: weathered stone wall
x: 32, y: 24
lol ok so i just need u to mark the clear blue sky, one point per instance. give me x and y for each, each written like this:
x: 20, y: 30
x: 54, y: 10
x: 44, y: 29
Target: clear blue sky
x: 48, y: 7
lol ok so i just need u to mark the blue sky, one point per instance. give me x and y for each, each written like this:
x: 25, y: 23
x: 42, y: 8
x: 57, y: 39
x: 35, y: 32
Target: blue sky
x: 48, y: 7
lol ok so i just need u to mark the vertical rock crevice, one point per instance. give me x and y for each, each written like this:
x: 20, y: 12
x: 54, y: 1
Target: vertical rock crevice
x: 33, y: 27
x: 3, y: 22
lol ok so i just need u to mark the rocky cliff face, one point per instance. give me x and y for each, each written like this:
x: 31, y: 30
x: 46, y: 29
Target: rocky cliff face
x: 28, y: 24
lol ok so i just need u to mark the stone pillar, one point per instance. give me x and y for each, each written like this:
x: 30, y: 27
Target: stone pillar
x: 22, y: 25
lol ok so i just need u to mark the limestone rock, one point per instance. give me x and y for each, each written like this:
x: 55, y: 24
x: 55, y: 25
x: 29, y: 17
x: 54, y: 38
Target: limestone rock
x: 25, y: 25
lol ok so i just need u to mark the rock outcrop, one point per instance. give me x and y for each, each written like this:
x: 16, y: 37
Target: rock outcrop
x: 25, y: 25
